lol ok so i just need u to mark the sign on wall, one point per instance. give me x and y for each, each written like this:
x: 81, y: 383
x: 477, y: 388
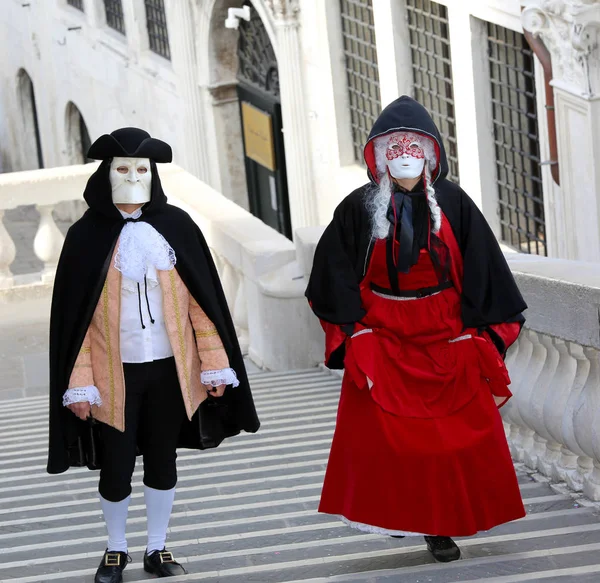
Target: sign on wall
x: 258, y: 136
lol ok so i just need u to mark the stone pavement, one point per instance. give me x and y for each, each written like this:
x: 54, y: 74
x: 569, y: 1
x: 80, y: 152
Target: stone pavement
x: 246, y: 512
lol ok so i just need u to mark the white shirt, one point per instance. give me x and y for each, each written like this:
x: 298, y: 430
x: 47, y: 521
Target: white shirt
x: 141, y: 340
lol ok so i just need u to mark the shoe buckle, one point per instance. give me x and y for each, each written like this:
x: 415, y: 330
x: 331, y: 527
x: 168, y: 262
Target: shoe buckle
x: 112, y: 560
x: 166, y: 557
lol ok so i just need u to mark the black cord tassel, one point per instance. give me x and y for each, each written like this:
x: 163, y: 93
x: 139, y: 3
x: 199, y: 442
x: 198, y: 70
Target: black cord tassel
x: 147, y: 301
x: 140, y: 306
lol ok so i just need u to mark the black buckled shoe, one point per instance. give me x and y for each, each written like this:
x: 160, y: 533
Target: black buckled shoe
x: 162, y: 564
x: 443, y: 548
x: 111, y: 567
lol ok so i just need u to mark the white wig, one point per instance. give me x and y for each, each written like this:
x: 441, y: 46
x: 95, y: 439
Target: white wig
x: 379, y: 200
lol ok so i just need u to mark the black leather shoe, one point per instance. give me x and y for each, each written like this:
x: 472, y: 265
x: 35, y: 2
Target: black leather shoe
x: 111, y: 567
x: 443, y: 548
x: 162, y: 564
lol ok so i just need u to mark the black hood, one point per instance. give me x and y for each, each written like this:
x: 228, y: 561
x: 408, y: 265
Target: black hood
x: 98, y: 193
x: 408, y: 115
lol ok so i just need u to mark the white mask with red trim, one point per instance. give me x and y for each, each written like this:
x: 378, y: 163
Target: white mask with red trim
x: 405, y: 155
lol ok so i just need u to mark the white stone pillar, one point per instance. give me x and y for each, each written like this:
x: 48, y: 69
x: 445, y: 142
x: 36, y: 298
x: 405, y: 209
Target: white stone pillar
x: 183, y: 51
x: 303, y: 208
x: 48, y: 242
x: 393, y: 49
x: 571, y: 31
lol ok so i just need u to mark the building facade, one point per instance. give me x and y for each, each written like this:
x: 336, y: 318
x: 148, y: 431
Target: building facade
x: 270, y: 101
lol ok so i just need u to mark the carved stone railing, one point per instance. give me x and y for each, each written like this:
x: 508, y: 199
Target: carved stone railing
x: 45, y: 190
x: 553, y: 421
x: 259, y: 272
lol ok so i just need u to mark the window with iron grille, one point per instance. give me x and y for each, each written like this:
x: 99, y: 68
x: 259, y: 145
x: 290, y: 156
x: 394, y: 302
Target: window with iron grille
x: 76, y: 4
x: 516, y: 137
x: 432, y: 70
x: 114, y: 15
x: 156, y: 22
x: 358, y: 31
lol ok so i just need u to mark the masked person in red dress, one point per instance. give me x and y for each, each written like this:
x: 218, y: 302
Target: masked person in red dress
x: 419, y: 307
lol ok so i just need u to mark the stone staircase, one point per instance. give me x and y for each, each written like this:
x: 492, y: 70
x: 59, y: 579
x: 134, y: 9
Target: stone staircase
x: 246, y: 512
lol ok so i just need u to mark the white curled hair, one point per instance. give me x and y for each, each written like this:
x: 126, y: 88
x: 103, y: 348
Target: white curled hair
x: 379, y: 197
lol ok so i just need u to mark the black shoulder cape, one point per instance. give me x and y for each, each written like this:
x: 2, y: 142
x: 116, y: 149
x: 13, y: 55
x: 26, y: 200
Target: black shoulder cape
x: 490, y: 294
x: 80, y: 276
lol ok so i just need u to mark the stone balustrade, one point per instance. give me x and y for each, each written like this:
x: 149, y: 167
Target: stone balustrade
x: 553, y: 421
x: 261, y: 278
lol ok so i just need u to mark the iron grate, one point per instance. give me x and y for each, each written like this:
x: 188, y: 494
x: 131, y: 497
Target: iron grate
x: 432, y: 70
x: 516, y: 138
x: 358, y: 32
x: 76, y: 4
x: 158, y: 34
x: 114, y: 15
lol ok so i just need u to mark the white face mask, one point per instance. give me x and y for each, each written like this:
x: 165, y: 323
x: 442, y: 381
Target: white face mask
x: 130, y: 179
x: 405, y: 156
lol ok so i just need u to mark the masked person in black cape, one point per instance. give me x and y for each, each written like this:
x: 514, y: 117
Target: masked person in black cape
x: 144, y: 356
x: 419, y: 307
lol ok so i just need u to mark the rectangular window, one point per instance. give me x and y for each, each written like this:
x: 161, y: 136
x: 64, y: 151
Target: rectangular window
x: 358, y: 31
x: 76, y: 4
x: 158, y: 34
x: 114, y: 15
x: 432, y: 70
x: 516, y: 138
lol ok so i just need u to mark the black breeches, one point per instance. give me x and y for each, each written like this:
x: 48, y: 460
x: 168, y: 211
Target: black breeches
x: 154, y: 414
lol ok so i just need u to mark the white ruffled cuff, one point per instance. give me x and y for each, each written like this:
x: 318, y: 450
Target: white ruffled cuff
x: 216, y: 378
x: 81, y: 395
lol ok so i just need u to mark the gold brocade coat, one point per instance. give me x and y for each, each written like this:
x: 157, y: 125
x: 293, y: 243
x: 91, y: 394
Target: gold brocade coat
x: 195, y: 341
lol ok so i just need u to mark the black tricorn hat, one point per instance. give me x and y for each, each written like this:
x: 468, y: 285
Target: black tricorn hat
x: 130, y: 143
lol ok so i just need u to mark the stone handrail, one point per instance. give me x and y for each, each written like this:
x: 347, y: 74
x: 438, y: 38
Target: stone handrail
x: 553, y: 421
x: 259, y: 272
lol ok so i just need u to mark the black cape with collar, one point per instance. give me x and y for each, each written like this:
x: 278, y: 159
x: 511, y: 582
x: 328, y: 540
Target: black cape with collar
x: 80, y: 276
x: 490, y: 294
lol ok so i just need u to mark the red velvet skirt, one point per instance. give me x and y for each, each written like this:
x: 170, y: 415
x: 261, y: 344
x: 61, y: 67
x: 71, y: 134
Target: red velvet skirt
x: 419, y: 445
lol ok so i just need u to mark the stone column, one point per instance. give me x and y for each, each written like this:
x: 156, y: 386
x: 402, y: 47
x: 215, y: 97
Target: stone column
x: 183, y: 53
x: 303, y: 208
x: 571, y: 31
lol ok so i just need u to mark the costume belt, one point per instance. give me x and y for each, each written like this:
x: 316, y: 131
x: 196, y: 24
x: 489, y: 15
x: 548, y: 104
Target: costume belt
x: 411, y: 294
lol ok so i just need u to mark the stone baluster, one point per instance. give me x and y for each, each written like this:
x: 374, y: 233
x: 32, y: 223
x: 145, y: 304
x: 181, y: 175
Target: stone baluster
x: 591, y: 486
x: 555, y: 457
x: 581, y: 413
x: 518, y: 365
x: 523, y: 395
x: 48, y: 242
x: 8, y: 252
x: 582, y: 462
x: 535, y: 415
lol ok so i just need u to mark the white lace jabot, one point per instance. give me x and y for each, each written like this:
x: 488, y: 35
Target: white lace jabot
x: 141, y: 245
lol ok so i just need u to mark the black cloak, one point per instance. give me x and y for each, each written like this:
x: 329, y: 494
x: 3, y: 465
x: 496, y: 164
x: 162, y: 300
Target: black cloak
x: 80, y: 276
x: 489, y: 295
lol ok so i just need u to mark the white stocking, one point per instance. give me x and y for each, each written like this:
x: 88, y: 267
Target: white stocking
x: 115, y: 518
x: 159, y: 504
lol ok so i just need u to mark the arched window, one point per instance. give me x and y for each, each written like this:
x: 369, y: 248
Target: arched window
x: 30, y: 127
x: 78, y: 137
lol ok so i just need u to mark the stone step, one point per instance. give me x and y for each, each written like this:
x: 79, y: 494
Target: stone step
x: 246, y: 512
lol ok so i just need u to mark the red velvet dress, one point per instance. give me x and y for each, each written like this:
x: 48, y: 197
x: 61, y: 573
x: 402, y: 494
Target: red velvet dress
x: 419, y: 445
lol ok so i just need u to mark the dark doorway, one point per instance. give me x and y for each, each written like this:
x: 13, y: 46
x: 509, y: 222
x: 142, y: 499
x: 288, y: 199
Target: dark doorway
x: 260, y: 113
